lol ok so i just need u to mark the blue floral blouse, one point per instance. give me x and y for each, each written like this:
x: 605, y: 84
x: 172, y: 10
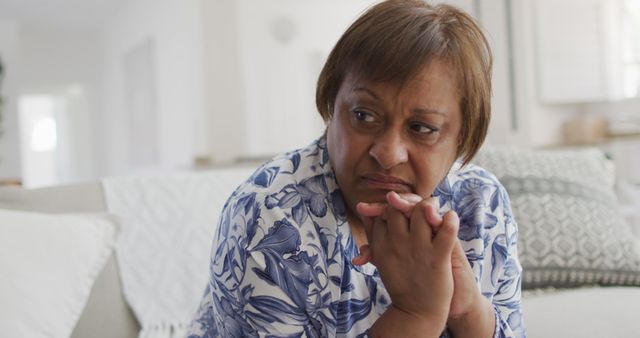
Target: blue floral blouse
x: 281, y: 259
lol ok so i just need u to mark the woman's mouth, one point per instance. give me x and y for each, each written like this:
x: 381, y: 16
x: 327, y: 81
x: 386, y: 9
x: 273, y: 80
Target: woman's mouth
x: 387, y: 182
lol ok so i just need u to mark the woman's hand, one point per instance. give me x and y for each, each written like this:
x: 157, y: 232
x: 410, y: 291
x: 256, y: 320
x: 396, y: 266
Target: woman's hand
x: 466, y: 299
x: 369, y: 211
x: 414, y: 263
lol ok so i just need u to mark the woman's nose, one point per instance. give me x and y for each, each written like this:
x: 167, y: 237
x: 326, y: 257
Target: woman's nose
x: 389, y: 150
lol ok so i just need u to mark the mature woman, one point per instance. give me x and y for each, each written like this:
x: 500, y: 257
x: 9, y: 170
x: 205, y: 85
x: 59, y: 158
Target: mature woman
x: 381, y: 226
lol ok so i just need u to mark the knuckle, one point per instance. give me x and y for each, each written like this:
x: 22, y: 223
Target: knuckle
x: 435, y: 202
x: 420, y: 208
x: 452, y: 218
x: 430, y: 201
x: 424, y: 203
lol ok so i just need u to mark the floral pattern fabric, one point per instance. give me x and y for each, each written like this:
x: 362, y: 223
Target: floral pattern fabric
x: 281, y: 259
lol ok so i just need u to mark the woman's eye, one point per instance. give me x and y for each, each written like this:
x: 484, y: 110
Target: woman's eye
x: 363, y: 116
x: 424, y: 129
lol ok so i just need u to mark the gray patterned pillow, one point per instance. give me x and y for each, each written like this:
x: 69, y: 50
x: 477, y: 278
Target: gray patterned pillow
x: 570, y: 229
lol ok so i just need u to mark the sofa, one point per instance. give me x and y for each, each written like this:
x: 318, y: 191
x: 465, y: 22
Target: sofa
x: 580, y: 255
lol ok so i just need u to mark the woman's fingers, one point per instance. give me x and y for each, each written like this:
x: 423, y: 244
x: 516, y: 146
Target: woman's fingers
x: 411, y: 198
x: 368, y: 212
x: 364, y: 256
x: 458, y: 257
x: 397, y: 224
x: 379, y: 240
x: 447, y: 235
x: 370, y: 209
x: 407, y: 202
x: 404, y: 202
x: 432, y: 214
x: 395, y: 220
x: 421, y: 230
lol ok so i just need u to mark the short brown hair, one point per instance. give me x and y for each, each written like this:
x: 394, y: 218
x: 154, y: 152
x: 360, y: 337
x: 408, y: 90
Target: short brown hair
x: 393, y: 40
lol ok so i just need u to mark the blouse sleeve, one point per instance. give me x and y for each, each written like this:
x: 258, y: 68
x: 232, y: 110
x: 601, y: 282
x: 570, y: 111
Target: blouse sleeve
x: 507, y: 297
x: 258, y: 276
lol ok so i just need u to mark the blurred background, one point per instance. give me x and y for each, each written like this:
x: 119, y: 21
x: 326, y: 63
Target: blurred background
x: 110, y: 87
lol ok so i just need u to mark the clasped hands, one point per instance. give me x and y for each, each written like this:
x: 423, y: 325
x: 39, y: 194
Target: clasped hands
x: 420, y: 259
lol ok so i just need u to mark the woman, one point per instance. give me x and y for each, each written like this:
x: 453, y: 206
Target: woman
x: 405, y: 94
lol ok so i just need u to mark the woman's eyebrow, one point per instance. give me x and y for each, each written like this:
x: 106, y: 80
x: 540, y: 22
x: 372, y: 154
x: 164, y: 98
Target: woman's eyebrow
x: 419, y: 110
x: 426, y: 111
x: 367, y: 91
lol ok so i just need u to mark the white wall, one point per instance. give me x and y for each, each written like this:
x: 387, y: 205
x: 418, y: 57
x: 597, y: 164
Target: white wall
x: 277, y: 78
x: 617, y: 109
x: 258, y: 85
x: 540, y: 124
x: 492, y: 17
x: 225, y: 100
x: 10, y: 139
x: 274, y: 79
x: 228, y: 87
x: 54, y: 56
x: 282, y: 50
x: 175, y: 29
x: 229, y: 80
x: 533, y: 123
x: 64, y: 63
x: 49, y: 61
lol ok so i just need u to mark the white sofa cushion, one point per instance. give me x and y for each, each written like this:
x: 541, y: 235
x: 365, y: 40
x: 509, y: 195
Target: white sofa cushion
x: 48, y: 265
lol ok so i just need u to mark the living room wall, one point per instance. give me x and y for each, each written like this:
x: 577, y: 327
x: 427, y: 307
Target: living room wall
x: 234, y: 79
x: 282, y: 50
x: 539, y: 124
x: 62, y: 63
x: 225, y: 88
x: 54, y: 62
x: 173, y: 29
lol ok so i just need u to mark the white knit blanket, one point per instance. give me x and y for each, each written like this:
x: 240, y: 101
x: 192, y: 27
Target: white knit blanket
x: 164, y: 248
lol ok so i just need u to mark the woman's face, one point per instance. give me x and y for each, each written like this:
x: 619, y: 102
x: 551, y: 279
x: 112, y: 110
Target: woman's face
x: 384, y: 137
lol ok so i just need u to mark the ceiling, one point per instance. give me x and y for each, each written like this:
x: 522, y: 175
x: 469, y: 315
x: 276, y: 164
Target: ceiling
x: 75, y: 14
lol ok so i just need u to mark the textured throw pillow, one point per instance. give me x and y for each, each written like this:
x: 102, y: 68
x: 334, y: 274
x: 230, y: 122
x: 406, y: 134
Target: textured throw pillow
x: 48, y: 264
x: 571, y: 231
